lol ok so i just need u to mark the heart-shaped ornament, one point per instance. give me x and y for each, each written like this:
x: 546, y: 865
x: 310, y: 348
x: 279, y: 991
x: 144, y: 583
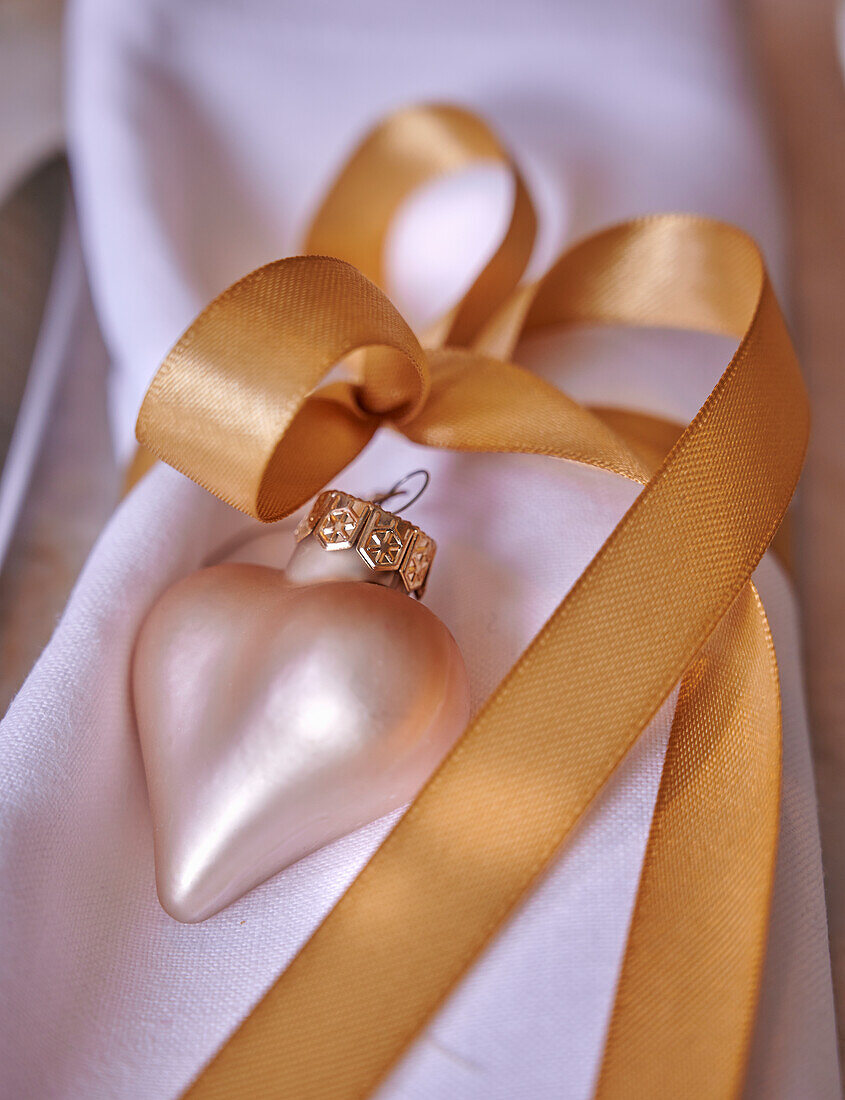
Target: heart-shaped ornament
x: 275, y: 717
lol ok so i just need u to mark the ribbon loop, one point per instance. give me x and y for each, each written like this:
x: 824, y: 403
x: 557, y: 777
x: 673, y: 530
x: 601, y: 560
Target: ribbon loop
x: 406, y: 150
x: 235, y: 405
x: 668, y: 270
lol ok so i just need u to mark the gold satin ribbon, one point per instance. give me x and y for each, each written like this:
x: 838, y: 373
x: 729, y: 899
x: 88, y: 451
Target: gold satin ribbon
x: 238, y: 405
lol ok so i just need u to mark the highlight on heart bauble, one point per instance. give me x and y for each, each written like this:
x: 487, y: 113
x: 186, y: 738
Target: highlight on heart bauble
x: 278, y: 711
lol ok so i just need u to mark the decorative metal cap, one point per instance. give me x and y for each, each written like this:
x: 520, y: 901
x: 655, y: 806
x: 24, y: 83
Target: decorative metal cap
x: 385, y: 541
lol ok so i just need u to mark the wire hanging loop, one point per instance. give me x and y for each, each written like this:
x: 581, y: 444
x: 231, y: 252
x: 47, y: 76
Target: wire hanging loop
x: 398, y: 489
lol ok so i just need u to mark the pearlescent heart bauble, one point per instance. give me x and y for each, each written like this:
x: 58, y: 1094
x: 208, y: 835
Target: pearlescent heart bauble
x: 276, y: 717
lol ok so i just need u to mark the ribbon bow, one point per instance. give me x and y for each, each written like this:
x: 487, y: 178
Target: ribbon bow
x: 240, y: 406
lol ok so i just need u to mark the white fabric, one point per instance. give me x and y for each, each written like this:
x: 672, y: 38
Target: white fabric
x: 200, y: 137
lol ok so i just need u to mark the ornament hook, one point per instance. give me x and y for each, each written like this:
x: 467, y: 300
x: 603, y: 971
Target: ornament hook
x: 398, y: 491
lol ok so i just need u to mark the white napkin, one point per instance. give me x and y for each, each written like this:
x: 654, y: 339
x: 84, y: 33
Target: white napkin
x: 200, y: 136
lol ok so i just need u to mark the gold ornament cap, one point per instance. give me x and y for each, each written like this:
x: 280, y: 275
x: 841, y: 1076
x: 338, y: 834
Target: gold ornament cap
x: 392, y: 549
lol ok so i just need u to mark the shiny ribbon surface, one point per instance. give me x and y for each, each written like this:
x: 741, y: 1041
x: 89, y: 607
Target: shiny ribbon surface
x: 240, y: 405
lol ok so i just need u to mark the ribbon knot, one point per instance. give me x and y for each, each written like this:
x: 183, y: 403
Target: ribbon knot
x: 247, y: 405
